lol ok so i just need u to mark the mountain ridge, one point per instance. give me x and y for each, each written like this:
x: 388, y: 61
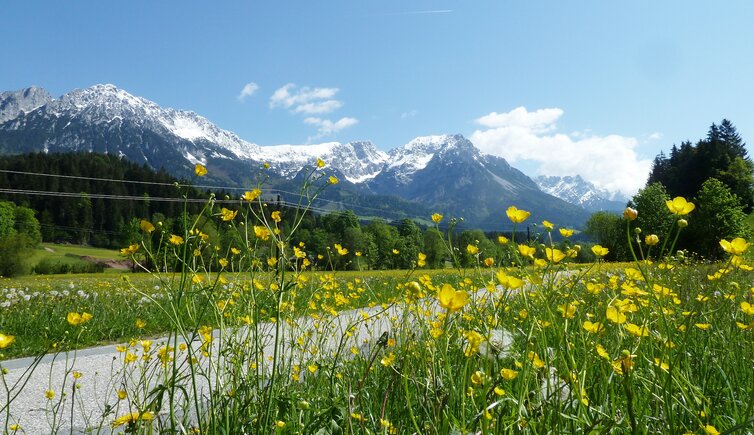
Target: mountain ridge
x: 446, y: 173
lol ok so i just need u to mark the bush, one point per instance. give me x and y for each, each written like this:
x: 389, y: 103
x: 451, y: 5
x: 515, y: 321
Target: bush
x: 50, y: 266
x: 14, y: 251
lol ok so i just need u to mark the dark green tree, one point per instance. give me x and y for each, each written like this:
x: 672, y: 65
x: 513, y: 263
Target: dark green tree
x: 718, y: 215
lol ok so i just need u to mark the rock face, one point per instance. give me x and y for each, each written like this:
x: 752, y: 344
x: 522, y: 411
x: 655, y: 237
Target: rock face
x: 444, y: 173
x: 16, y: 103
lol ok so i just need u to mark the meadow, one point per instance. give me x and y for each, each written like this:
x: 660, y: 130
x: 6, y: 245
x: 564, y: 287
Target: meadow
x: 257, y: 344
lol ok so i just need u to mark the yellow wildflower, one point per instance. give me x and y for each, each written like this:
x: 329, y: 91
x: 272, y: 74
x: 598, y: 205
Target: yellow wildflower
x: 133, y: 418
x: 517, y: 216
x: 333, y: 180
x: 436, y: 218
x: 6, y: 340
x: 200, y: 170
x: 452, y: 299
x: 175, y: 240
x: 276, y: 216
x: 736, y: 246
x: 651, y: 240
x: 565, y: 232
x: 146, y: 226
x: 76, y: 319
x: 554, y: 255
x: 679, y: 206
x: 472, y: 249
x: 527, y: 251
x: 130, y: 250
x: 599, y: 250
x: 548, y: 225
x: 228, y: 215
x: 320, y: 163
x: 251, y: 195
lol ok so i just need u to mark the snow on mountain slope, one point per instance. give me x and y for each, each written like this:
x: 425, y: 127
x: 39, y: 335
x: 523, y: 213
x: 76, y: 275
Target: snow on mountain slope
x: 15, y: 103
x: 358, y: 161
x: 576, y: 190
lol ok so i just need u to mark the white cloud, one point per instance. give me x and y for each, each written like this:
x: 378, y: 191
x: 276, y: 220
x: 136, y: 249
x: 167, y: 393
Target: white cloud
x: 409, y: 114
x: 325, y: 127
x: 305, y: 100
x: 608, y: 161
x: 248, y: 90
x: 318, y: 107
x: 655, y: 136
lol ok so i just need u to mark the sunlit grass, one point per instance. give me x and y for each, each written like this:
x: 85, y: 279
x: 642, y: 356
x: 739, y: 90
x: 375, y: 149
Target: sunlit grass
x: 540, y: 346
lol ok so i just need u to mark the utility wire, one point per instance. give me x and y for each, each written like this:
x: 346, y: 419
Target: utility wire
x: 206, y: 186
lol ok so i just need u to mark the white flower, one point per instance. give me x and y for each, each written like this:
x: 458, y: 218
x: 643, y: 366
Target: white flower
x: 497, y: 345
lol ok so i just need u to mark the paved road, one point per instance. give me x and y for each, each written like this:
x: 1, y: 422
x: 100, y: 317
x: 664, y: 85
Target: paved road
x: 90, y: 408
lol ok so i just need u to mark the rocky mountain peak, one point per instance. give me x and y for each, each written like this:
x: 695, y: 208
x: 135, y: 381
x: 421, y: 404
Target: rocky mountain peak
x: 14, y: 103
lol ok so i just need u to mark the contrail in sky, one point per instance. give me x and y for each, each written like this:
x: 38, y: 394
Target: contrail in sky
x: 439, y: 11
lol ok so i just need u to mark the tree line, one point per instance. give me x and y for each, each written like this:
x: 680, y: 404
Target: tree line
x: 716, y: 174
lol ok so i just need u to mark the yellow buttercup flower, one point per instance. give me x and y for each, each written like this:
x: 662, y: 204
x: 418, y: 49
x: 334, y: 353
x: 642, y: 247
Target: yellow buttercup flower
x: 747, y: 308
x: 422, y: 261
x: 320, y: 163
x: 146, y: 226
x: 565, y: 232
x: 261, y: 232
x: 736, y: 246
x: 76, y: 319
x: 472, y: 249
x: 436, y: 218
x: 554, y: 255
x: 599, y: 250
x: 175, y: 240
x: 527, y: 251
x: 489, y: 261
x: 679, y: 206
x: 593, y: 327
x: 130, y: 250
x: 200, y: 170
x: 651, y: 240
x: 251, y: 195
x: 333, y: 180
x: 548, y: 225
x: 517, y: 216
x: 452, y: 299
x: 228, y: 215
x: 133, y: 418
x: 341, y: 250
x: 614, y: 315
x: 502, y: 240
x: 509, y: 282
x: 276, y: 216
x: 630, y: 213
x: 508, y: 374
x: 6, y: 340
x: 636, y: 330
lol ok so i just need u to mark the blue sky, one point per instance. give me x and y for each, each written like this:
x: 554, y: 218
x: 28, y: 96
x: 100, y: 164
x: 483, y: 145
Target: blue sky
x: 605, y: 85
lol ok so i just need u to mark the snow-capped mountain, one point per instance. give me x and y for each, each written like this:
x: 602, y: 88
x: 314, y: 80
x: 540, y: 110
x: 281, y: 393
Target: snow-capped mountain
x: 357, y: 161
x: 13, y: 104
x: 576, y: 190
x: 445, y: 173
x: 449, y: 173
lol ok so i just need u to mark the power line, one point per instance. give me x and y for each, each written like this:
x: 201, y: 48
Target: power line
x: 338, y: 205
x: 208, y: 187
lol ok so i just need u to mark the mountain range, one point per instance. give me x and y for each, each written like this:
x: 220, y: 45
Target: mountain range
x: 443, y: 173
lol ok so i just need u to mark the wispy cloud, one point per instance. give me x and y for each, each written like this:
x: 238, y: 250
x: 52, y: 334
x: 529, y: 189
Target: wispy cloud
x: 409, y: 114
x: 608, y: 161
x: 326, y: 127
x: 248, y: 90
x: 305, y: 100
x: 312, y: 101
